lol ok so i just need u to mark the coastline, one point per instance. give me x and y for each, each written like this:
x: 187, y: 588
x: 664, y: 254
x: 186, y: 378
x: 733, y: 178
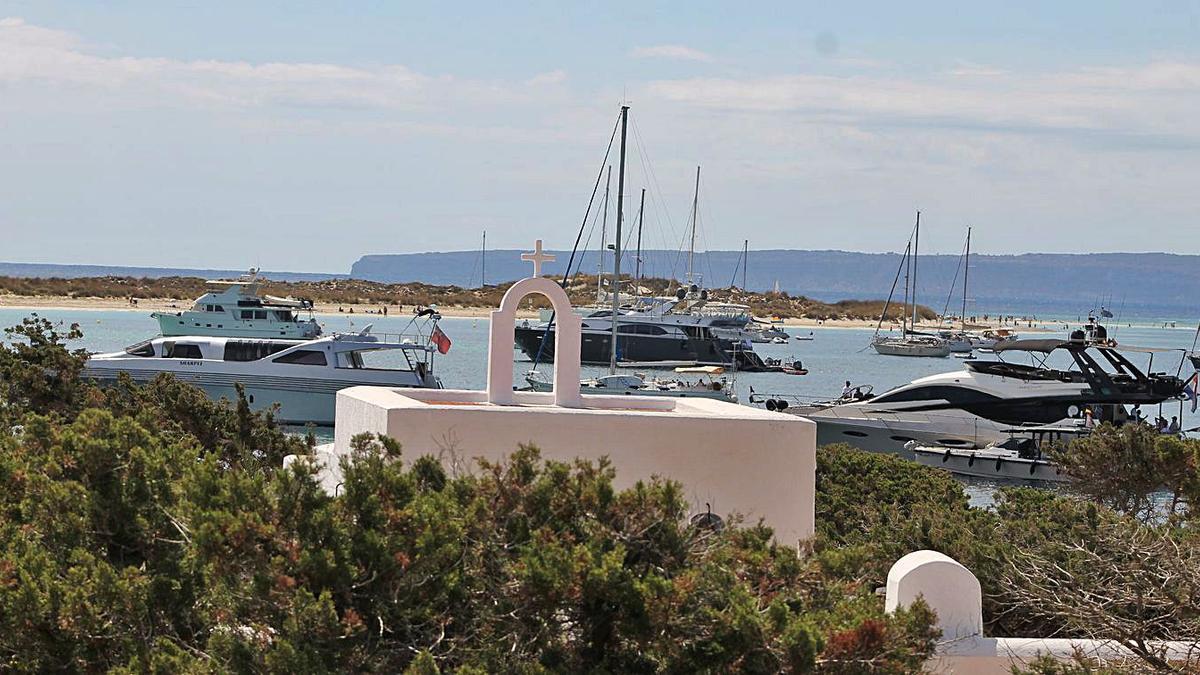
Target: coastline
x: 147, y: 305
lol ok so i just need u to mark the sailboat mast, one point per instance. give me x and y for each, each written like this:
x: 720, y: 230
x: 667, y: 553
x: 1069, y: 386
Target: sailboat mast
x: 641, y: 218
x: 483, y: 262
x: 615, y: 287
x: 603, y: 237
x: 695, y: 213
x: 745, y: 261
x: 907, y: 272
x: 916, y: 249
x: 966, y: 271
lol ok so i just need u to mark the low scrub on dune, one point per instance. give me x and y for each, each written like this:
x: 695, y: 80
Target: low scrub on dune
x: 581, y: 288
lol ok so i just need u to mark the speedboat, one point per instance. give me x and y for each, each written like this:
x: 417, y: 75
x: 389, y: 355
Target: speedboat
x: 980, y: 404
x: 301, y: 376
x: 959, y: 341
x: 707, y: 384
x: 235, y: 309
x: 988, y: 338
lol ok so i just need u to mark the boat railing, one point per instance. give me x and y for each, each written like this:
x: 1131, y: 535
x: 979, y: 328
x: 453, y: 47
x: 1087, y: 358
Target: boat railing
x: 410, y: 339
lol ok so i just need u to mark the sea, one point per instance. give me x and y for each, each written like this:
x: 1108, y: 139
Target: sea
x: 833, y: 356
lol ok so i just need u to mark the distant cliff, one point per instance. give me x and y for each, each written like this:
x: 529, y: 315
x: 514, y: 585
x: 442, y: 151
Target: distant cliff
x: 1146, y: 284
x: 59, y: 271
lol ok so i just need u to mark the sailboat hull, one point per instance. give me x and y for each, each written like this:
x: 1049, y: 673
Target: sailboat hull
x: 899, y: 348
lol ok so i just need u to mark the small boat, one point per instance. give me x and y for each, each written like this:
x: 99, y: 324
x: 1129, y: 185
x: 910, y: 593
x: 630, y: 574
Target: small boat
x: 805, y: 338
x: 707, y: 385
x: 779, y: 340
x: 235, y: 309
x: 301, y: 376
x: 787, y: 366
x: 1020, y: 457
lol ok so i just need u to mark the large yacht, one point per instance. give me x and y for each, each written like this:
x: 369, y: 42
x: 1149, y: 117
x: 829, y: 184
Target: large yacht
x: 665, y: 333
x: 982, y: 403
x: 302, y: 376
x: 235, y: 309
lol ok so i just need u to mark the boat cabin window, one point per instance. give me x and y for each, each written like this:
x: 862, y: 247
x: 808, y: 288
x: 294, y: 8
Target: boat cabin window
x: 303, y: 357
x: 253, y: 350
x: 641, y: 329
x: 214, y: 308
x: 283, y: 315
x: 254, y: 314
x: 953, y: 395
x: 350, y: 360
x: 144, y: 348
x: 174, y: 350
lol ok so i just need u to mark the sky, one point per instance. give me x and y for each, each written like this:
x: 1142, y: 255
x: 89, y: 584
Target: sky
x: 302, y: 135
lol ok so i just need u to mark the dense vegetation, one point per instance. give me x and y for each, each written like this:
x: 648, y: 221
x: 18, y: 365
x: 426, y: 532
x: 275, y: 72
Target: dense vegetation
x: 353, y: 291
x: 146, y: 528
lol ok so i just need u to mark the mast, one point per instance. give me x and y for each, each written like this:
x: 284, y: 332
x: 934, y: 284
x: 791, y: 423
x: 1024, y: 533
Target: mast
x: 907, y: 270
x: 603, y: 236
x: 745, y: 260
x: 616, y: 277
x: 641, y: 218
x: 483, y: 262
x: 695, y: 213
x: 966, y: 271
x: 915, y: 253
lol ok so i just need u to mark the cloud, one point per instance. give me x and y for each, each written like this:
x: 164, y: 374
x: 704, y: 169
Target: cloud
x: 36, y: 56
x: 673, y: 52
x: 1156, y: 100
x: 552, y: 77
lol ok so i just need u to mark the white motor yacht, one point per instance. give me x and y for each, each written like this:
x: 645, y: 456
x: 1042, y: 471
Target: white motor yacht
x: 301, y: 376
x: 235, y: 309
x: 980, y: 404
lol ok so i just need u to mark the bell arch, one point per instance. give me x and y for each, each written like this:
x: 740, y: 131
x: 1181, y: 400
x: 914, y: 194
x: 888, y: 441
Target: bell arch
x: 567, y: 339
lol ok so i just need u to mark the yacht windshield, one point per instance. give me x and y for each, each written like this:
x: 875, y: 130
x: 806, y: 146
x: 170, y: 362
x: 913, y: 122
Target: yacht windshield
x: 143, y: 348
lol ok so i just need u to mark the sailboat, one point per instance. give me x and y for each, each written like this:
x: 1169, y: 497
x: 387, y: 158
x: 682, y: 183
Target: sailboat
x: 910, y: 342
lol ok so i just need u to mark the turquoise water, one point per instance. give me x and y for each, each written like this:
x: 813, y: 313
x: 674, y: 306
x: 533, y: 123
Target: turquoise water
x: 833, y: 356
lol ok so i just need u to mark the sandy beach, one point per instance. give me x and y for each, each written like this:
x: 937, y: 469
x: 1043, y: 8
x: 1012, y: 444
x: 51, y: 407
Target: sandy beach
x: 34, y: 303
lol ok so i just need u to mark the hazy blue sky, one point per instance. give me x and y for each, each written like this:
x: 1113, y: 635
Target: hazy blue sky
x: 302, y: 135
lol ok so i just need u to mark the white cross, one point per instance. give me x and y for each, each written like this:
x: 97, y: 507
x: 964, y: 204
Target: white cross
x: 537, y: 258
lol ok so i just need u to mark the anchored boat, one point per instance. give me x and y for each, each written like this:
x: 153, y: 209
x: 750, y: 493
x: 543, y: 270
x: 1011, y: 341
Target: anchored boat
x: 235, y: 309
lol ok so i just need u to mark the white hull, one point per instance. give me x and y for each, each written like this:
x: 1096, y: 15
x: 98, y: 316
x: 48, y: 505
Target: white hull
x: 302, y: 398
x: 985, y: 463
x: 177, y: 325
x: 890, y: 431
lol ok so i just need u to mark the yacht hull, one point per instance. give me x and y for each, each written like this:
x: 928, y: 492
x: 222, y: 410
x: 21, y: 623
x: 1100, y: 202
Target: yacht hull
x: 990, y: 464
x: 301, y: 400
x: 596, y: 349
x: 887, y: 431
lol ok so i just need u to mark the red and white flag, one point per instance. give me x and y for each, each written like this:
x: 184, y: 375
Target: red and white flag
x: 440, y: 340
